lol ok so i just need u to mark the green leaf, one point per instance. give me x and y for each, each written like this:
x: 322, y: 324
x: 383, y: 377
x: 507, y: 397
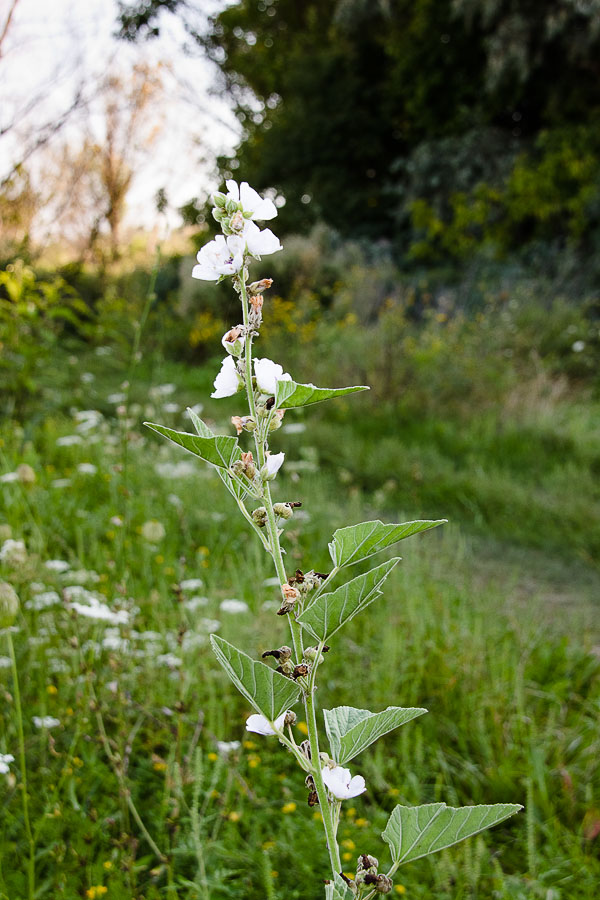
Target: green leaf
x: 201, y: 427
x: 219, y: 450
x: 290, y: 394
x: 350, y: 730
x: 413, y: 832
x: 269, y: 692
x: 338, y: 889
x: 357, y: 542
x: 330, y: 611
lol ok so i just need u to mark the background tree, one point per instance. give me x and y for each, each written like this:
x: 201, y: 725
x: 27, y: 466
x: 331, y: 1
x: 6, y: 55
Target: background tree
x: 348, y: 101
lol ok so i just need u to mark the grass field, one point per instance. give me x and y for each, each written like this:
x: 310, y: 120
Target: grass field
x: 491, y: 623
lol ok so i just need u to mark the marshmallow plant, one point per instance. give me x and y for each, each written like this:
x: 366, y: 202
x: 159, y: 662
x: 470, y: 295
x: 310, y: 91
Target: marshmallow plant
x: 315, y: 606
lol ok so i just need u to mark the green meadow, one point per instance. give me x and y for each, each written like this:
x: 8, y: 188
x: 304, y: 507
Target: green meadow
x: 491, y: 622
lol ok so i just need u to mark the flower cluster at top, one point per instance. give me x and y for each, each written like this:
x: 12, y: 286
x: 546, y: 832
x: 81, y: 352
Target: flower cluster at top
x: 236, y: 213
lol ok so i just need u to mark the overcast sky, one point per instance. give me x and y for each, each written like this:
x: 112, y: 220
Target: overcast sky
x: 55, y: 45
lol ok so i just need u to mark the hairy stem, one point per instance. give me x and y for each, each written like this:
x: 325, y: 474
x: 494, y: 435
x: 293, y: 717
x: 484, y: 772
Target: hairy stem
x: 260, y: 438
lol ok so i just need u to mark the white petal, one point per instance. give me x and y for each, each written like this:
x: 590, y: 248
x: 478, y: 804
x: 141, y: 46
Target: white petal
x: 254, y: 203
x: 260, y: 243
x: 274, y: 462
x: 227, y: 381
x: 357, y: 786
x: 261, y: 725
x: 268, y: 374
x: 233, y: 191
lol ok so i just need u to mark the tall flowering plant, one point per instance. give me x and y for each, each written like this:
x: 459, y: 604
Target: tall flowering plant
x: 315, y: 608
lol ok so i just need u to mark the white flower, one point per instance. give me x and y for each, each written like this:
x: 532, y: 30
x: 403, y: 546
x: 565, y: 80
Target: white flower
x: 219, y: 257
x: 341, y: 784
x: 251, y: 200
x: 5, y: 759
x: 57, y: 565
x: 100, y: 612
x: 273, y: 463
x: 13, y: 553
x: 153, y: 531
x: 261, y: 725
x: 268, y: 374
x: 191, y: 584
x: 86, y: 468
x: 9, y: 477
x: 45, y: 722
x: 233, y: 606
x: 43, y: 600
x: 228, y: 381
x: 578, y: 347
x: 225, y: 748
x: 69, y: 440
x: 260, y: 243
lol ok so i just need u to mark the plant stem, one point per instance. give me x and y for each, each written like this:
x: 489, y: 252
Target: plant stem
x: 260, y: 439
x: 21, y: 738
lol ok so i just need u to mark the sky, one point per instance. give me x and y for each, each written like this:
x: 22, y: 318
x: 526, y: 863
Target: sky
x: 54, y: 46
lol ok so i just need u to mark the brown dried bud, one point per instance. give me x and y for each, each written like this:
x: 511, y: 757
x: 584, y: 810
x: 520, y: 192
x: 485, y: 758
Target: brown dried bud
x: 281, y: 654
x: 290, y: 718
x: 313, y: 798
x: 257, y: 286
x: 382, y: 883
x: 283, y: 510
x: 298, y: 577
x: 367, y: 862
x: 236, y: 421
x: 232, y: 335
x: 305, y: 749
x: 300, y: 671
x: 289, y: 592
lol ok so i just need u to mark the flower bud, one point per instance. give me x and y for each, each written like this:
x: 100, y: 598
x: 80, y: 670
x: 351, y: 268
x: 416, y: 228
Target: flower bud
x: 236, y: 223
x: 9, y: 604
x: 259, y: 515
x: 312, y: 655
x: 382, y: 883
x: 219, y: 199
x: 277, y: 419
x: 219, y: 215
x: 231, y: 206
x: 257, y: 287
x: 290, y: 718
x: 284, y: 510
x: 367, y: 863
x: 233, y: 341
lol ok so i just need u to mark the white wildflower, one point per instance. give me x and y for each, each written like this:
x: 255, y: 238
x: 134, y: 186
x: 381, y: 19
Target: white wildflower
x: 578, y: 347
x: 57, y: 565
x: 153, y: 531
x: 341, y: 784
x: 226, y: 748
x: 273, y: 463
x: 13, y: 553
x: 261, y: 725
x: 191, y: 584
x: 228, y: 381
x: 45, y: 722
x: 100, y: 612
x: 86, y: 468
x: 268, y: 373
x: 234, y: 606
x: 252, y: 203
x: 44, y: 600
x: 219, y: 257
x: 5, y: 759
x: 69, y: 440
x: 260, y: 243
x: 169, y: 659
